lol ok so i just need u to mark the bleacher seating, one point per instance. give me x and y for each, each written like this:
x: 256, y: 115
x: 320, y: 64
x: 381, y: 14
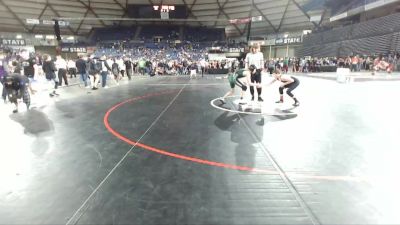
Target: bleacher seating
x: 167, y: 32
x: 202, y: 34
x: 371, y: 37
x: 113, y: 33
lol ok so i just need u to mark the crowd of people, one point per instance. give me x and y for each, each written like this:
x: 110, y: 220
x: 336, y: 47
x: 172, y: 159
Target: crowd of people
x: 355, y: 63
x: 96, y: 69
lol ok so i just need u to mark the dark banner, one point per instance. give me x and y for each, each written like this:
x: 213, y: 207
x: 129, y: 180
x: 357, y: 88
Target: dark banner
x: 289, y: 40
x: 13, y: 42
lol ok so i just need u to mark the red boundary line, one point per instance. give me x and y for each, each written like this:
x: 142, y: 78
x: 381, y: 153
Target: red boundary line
x: 197, y: 160
x: 164, y: 152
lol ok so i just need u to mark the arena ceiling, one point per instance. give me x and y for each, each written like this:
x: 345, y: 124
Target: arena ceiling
x: 277, y: 15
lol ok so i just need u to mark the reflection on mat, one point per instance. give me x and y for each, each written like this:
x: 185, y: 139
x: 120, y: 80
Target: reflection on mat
x: 235, y: 105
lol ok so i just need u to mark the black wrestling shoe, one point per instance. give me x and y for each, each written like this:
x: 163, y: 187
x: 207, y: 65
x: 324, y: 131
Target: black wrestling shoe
x: 260, y: 99
x: 278, y: 102
x: 296, y: 103
x: 15, y: 111
x: 222, y: 101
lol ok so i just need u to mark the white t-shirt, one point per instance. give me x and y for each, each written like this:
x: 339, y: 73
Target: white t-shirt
x: 71, y: 64
x: 61, y: 63
x: 256, y: 59
x: 103, y: 66
x: 121, y: 64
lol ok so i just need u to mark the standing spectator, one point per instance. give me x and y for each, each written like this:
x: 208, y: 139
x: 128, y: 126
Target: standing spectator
x: 29, y: 65
x: 142, y: 65
x: 368, y: 63
x: 115, y: 71
x: 192, y: 69
x: 3, y: 73
x: 49, y: 70
x: 271, y: 66
x: 61, y: 66
x: 121, y: 66
x: 354, y: 64
x: 71, y: 68
x: 94, y: 71
x: 129, y: 67
x: 104, y: 71
x: 81, y: 65
x: 285, y: 66
x: 203, y: 66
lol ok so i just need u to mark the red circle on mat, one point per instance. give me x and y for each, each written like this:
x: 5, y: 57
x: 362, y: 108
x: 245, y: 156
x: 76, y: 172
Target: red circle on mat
x: 165, y: 152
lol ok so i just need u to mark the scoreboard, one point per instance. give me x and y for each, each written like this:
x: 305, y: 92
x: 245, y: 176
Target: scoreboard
x: 157, y: 11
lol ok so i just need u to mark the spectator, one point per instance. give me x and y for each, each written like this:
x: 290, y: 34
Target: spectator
x: 49, y: 70
x: 104, y: 68
x: 94, y: 71
x: 81, y: 65
x: 61, y: 66
x: 128, y: 67
x: 71, y: 68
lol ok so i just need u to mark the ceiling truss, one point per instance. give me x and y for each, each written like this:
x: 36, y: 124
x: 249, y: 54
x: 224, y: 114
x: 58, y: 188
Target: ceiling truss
x: 278, y: 15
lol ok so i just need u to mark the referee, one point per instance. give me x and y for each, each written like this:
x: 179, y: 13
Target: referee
x: 256, y: 59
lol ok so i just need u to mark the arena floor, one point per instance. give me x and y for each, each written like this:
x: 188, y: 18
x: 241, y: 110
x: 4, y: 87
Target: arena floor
x: 155, y: 151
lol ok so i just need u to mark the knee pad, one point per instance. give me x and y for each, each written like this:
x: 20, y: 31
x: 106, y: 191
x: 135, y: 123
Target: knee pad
x: 281, y: 90
x: 244, y: 88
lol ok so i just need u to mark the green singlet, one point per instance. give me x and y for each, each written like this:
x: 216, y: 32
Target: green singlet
x: 234, y: 76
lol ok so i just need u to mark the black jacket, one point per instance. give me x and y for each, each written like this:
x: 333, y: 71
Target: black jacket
x: 81, y: 66
x: 29, y: 70
x: 49, y: 69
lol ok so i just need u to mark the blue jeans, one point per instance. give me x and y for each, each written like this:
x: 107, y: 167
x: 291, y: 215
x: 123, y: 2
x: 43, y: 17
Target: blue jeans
x: 84, y: 78
x: 104, y: 78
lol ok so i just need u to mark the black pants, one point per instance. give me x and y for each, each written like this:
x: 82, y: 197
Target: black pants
x: 62, y: 73
x: 290, y: 87
x: 256, y: 78
x: 271, y: 70
x: 72, y: 72
x: 129, y: 73
x: 14, y: 95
